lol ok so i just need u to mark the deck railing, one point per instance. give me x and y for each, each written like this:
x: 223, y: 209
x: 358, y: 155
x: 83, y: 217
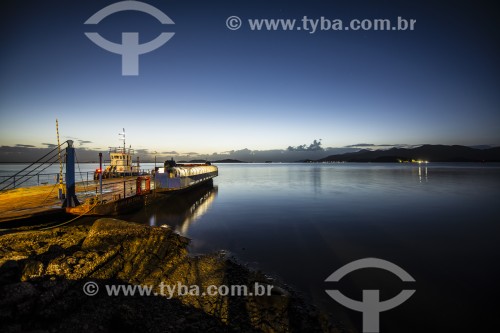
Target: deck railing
x: 53, y: 178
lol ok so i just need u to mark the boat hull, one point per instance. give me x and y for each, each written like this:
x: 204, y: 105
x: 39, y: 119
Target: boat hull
x: 133, y: 203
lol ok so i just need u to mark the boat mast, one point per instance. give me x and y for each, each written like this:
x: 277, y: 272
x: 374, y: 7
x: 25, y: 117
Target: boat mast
x: 125, y: 154
x: 122, y: 137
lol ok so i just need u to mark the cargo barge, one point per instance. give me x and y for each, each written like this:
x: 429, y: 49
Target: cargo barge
x: 163, y: 183
x: 126, y: 194
x: 175, y: 177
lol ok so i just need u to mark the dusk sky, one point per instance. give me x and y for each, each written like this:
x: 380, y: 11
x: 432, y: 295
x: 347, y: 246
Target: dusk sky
x: 211, y: 89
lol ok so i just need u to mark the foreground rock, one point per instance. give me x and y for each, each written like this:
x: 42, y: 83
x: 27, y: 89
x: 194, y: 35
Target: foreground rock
x: 43, y: 275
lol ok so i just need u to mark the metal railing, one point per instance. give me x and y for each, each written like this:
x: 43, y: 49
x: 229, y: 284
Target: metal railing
x: 111, y: 191
x: 53, y: 178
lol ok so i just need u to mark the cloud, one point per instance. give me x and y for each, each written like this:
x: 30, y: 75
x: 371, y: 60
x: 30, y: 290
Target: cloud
x: 22, y: 153
x: 81, y: 142
x: 381, y: 146
x: 142, y: 151
x: 49, y: 145
x: 313, y: 151
x: 360, y: 145
x: 304, y: 152
x: 315, y: 146
x: 24, y: 146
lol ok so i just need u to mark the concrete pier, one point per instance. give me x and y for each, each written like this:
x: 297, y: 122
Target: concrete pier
x: 26, y: 202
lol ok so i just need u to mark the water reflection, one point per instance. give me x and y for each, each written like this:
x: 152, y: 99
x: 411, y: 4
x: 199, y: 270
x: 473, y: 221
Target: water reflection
x: 422, y: 173
x: 316, y: 174
x: 179, y: 211
x: 272, y: 216
x: 197, y: 210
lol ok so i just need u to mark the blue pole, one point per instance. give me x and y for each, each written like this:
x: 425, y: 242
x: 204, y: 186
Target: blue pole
x: 71, y: 200
x: 100, y: 176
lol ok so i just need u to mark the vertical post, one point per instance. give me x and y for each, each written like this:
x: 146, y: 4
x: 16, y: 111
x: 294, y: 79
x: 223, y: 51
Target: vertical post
x: 60, y: 178
x: 154, y: 177
x: 124, y: 189
x: 71, y: 200
x: 138, y: 186
x: 100, y: 175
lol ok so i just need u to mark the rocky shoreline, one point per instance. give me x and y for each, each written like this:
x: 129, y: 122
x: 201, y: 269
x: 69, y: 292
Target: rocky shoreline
x: 43, y: 273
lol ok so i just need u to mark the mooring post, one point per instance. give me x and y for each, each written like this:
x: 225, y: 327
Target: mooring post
x: 71, y: 200
x: 100, y: 175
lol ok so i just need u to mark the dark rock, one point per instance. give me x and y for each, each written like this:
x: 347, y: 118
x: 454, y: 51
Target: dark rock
x: 10, y: 272
x: 17, y: 293
x: 33, y: 269
x: 57, y: 263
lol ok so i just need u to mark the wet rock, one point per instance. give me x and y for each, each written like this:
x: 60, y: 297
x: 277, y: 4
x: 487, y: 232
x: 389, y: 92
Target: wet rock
x: 57, y: 263
x: 33, y: 269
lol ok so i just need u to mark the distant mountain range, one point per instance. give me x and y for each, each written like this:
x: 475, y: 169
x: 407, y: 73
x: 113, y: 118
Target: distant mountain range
x: 218, y: 161
x: 228, y: 160
x: 431, y: 153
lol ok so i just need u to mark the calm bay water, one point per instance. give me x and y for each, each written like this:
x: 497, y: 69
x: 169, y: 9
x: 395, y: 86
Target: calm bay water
x: 301, y: 222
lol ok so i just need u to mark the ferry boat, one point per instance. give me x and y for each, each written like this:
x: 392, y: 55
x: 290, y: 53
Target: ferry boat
x: 137, y: 189
x: 134, y: 193
x: 120, y: 162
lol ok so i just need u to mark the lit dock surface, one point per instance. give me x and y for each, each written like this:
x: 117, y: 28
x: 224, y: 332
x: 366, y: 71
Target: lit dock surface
x: 25, y: 202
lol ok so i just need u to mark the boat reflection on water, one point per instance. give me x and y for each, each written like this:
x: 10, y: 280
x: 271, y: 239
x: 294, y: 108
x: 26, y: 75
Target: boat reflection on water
x: 178, y: 211
x: 197, y: 209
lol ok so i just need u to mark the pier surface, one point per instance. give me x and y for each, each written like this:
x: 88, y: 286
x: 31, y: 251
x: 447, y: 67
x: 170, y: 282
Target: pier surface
x: 26, y: 202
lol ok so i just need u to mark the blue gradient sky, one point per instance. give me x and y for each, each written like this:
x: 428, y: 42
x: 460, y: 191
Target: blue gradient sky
x: 210, y: 89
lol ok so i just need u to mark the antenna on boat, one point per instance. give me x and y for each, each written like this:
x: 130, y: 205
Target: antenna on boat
x: 122, y: 137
